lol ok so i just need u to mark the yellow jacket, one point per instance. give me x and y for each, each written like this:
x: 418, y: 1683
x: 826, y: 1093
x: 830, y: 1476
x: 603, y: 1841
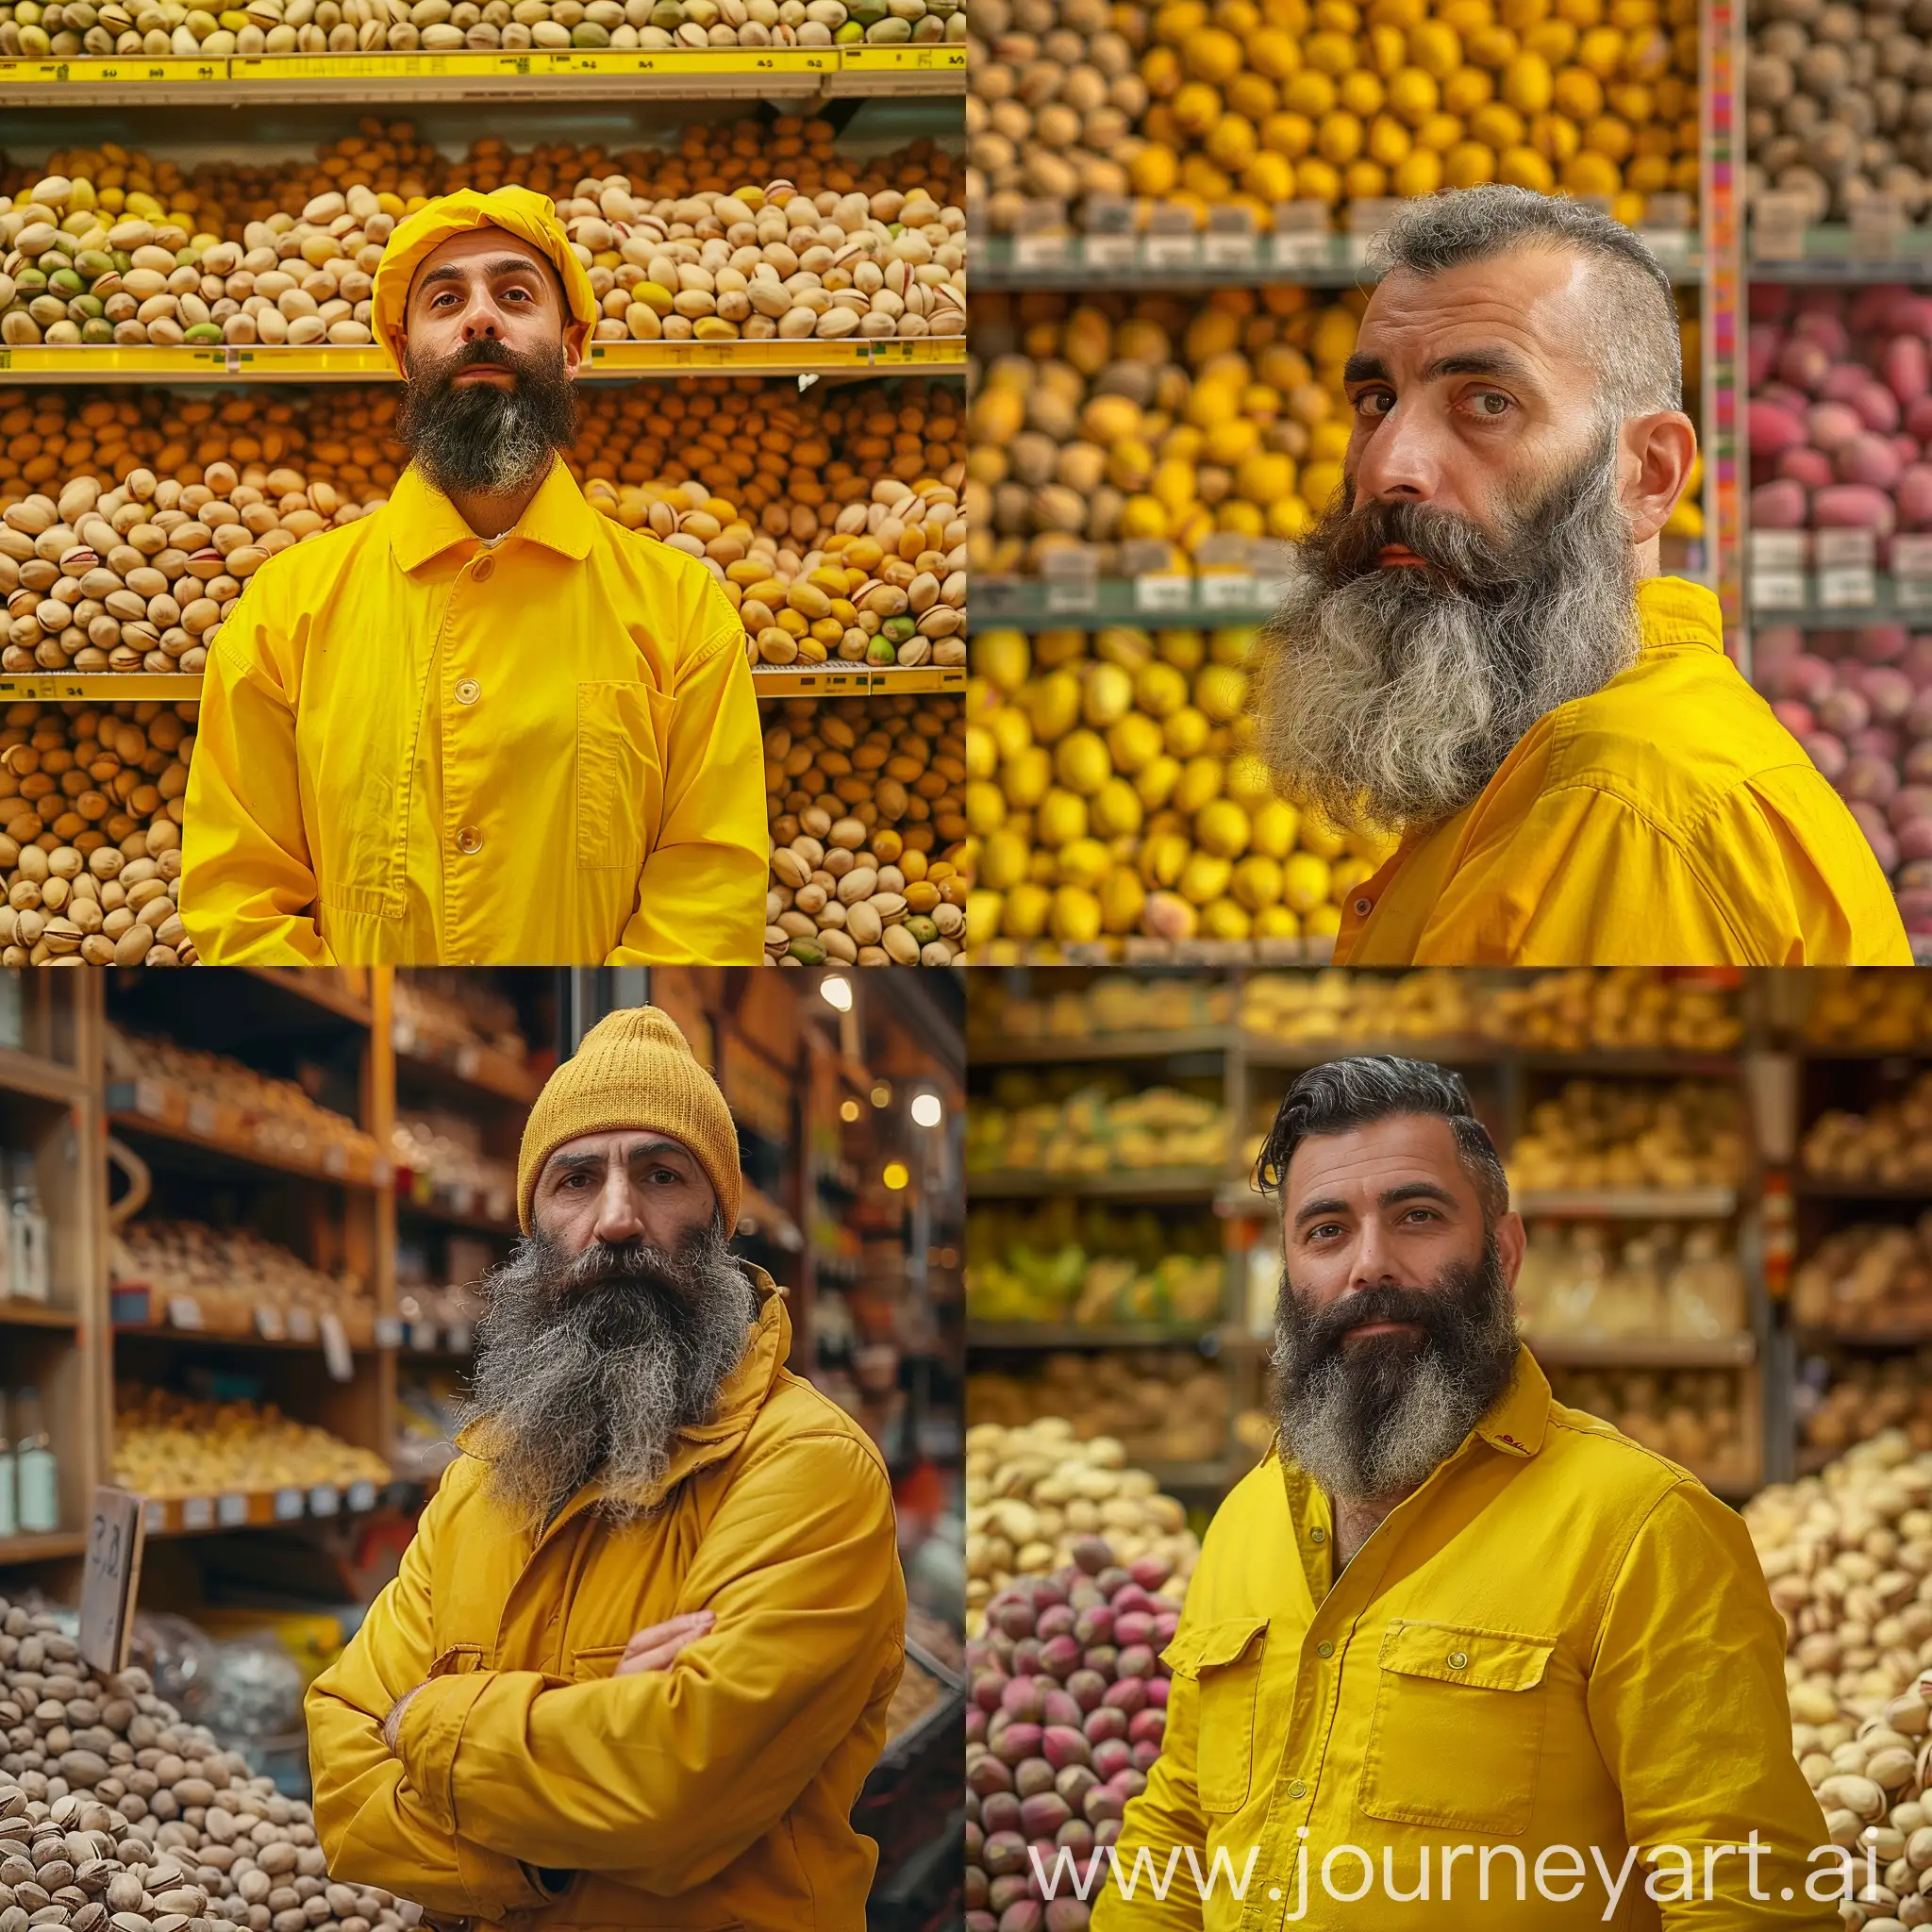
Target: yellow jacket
x: 414, y: 750
x: 1670, y: 820
x: 716, y: 1792
x: 1560, y: 1639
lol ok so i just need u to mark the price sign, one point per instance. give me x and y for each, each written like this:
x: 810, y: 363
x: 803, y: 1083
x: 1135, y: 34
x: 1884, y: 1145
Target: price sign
x: 361, y: 1496
x: 1164, y: 592
x: 231, y: 1510
x: 198, y: 1512
x: 335, y: 1160
x: 1847, y: 586
x: 389, y: 1332
x: 269, y: 1323
x: 110, y: 1577
x: 288, y: 1505
x: 325, y: 1499
x: 1227, y: 251
x: 150, y: 1098
x: 459, y: 1338
x: 154, y: 1517
x: 423, y: 1336
x: 201, y: 1118
x: 469, y: 1061
x: 1228, y: 591
x: 335, y: 1347
x: 184, y: 1311
x: 1039, y: 251
x: 1109, y: 252
x: 1171, y: 251
x: 301, y: 1325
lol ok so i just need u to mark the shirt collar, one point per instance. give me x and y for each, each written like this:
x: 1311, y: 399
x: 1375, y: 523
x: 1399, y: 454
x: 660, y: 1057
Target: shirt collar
x: 424, y: 522
x: 1517, y: 1421
x: 1674, y: 611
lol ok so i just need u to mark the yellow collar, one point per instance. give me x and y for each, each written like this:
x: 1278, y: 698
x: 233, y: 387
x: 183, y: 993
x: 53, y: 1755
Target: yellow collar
x: 1674, y: 612
x: 424, y: 522
x: 1517, y: 1422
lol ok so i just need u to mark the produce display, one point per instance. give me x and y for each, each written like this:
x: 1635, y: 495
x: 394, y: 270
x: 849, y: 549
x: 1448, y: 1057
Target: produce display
x: 1673, y: 1279
x: 1063, y: 1722
x: 742, y: 262
x: 438, y: 1011
x: 97, y: 885
x: 441, y: 1154
x: 1111, y: 793
x: 1602, y: 1134
x: 1355, y: 1010
x: 1833, y: 98
x: 120, y: 1810
x: 1617, y: 1009
x: 1691, y: 1415
x: 1163, y: 1405
x: 1331, y: 104
x: 167, y: 1445
x: 1035, y: 1493
x: 1109, y: 1002
x: 867, y: 861
x: 276, y: 1115
x: 1867, y: 1280
x: 233, y: 1275
x: 1866, y: 1009
x: 1890, y: 1145
x: 1091, y: 1266
x: 1107, y: 1124
x: 1867, y: 1395
x: 1167, y: 419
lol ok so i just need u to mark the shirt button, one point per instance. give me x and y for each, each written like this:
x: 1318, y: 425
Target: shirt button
x: 468, y: 692
x: 484, y: 566
x: 1458, y: 1658
x: 469, y: 840
x: 1297, y: 1789
x: 1363, y: 908
x: 1318, y: 1536
x: 1324, y: 1649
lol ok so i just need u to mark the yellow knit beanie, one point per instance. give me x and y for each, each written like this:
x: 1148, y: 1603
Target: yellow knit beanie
x: 633, y: 1069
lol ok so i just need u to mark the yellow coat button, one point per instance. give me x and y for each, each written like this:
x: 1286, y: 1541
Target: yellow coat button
x: 1297, y: 1789
x: 469, y: 840
x: 468, y: 692
x: 1458, y: 1658
x: 1318, y: 1536
x: 484, y: 566
x: 1324, y: 1649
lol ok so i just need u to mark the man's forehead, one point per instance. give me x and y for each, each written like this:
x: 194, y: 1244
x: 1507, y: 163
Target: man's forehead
x: 485, y: 241
x: 1369, y: 1160
x: 620, y: 1143
x: 1530, y: 301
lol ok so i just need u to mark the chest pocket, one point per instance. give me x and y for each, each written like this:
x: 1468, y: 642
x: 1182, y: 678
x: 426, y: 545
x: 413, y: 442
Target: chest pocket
x: 620, y: 797
x: 1458, y: 1733
x: 1224, y: 1661
x: 594, y: 1660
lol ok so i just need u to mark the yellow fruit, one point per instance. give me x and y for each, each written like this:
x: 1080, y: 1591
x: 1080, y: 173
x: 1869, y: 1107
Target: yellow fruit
x: 986, y: 808
x: 1332, y: 54
x: 1338, y: 137
x: 1003, y: 861
x: 1554, y: 136
x: 1062, y: 818
x: 1224, y: 920
x: 1305, y: 882
x: 1265, y: 478
x: 1231, y: 142
x: 1185, y: 732
x: 1345, y: 874
x: 1116, y: 810
x: 1270, y: 922
x: 1601, y: 50
x: 1388, y: 49
x: 1024, y: 914
x: 1230, y: 440
x: 1276, y: 54
x: 1024, y: 779
x: 1197, y: 107
x: 1591, y: 174
x: 1316, y: 180
x: 1389, y: 141
x: 1438, y: 132
x: 1205, y: 878
x: 1413, y: 95
x: 1527, y: 83
x: 1000, y: 657
x: 1364, y: 180
x: 1362, y: 93
x: 1523, y: 167
x: 983, y: 911
x: 1288, y: 519
x: 1324, y: 922
x: 1052, y: 704
x: 1123, y: 897
x: 1200, y: 785
x: 1173, y: 485
x: 1076, y: 916
x: 1257, y: 881
x: 1185, y: 650
x: 1160, y: 690
x: 1154, y: 171
x: 1080, y: 762
x: 1134, y: 742
x: 1466, y: 89
x: 1309, y: 92
x: 1221, y: 828
x: 1212, y: 54
x: 1084, y: 862
x: 1328, y: 441
x: 1268, y: 177
x: 982, y: 752
x: 1322, y: 837
x: 1435, y: 48
x: 1155, y: 781
x: 1106, y: 695
x: 1497, y: 124
x: 1609, y: 136
x: 1163, y: 858
x: 1469, y: 164
x: 1246, y: 781
x: 1221, y: 692
x: 1321, y: 483
x: 1491, y: 47
x: 1419, y: 172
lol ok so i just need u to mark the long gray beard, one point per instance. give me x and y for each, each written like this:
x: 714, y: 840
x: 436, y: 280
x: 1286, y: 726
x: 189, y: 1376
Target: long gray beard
x: 588, y: 1366
x: 1373, y: 1422
x: 488, y: 440
x: 1390, y: 697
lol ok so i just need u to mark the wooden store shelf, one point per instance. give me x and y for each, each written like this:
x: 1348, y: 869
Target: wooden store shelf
x: 40, y: 1549
x: 1884, y: 1339
x: 1129, y: 1045
x: 1628, y: 1204
x: 1147, y: 1184
x: 612, y: 361
x: 371, y: 82
x: 466, y: 1069
x: 1644, y: 1352
x: 43, y: 1079
x: 148, y: 1107
x: 1054, y: 1335
x: 456, y: 1217
x: 15, y: 1314
x: 259, y: 1508
x: 318, y: 988
x: 1811, y: 1188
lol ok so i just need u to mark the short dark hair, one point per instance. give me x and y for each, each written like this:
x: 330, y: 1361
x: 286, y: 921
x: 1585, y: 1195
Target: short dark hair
x: 1343, y: 1095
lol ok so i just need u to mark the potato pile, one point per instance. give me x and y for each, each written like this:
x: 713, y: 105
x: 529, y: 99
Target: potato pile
x: 1169, y: 420
x: 1835, y: 105
x: 171, y: 1446
x: 1691, y: 1415
x: 43, y: 29
x: 1867, y: 1279
x: 1333, y: 103
x: 110, y: 1805
x: 232, y: 1274
x: 867, y: 863
x: 1622, y: 1010
x: 1599, y: 1134
x: 1163, y: 1406
x: 1867, y: 1395
x: 1111, y: 793
x: 1671, y: 1278
x: 1034, y: 1491
x: 1108, y: 1123
x: 1868, y: 1007
x: 1891, y: 1145
x: 90, y: 850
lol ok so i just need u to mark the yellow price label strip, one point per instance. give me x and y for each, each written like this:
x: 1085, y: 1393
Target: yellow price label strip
x: 121, y: 71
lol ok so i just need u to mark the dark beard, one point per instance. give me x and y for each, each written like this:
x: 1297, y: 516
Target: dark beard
x: 1390, y: 697
x: 588, y: 1365
x: 481, y: 439
x: 1372, y: 1420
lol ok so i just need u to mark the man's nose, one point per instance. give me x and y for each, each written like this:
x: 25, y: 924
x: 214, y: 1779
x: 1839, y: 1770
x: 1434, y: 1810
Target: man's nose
x: 1399, y: 462
x: 618, y: 1219
x: 481, y: 320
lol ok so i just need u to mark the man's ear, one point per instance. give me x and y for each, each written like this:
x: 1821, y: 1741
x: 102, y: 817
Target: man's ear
x: 1511, y: 1238
x: 1658, y: 453
x: 577, y: 338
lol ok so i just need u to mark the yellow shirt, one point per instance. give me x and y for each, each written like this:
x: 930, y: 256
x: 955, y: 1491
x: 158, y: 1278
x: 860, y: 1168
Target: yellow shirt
x: 1670, y: 820
x: 417, y: 749
x: 716, y: 1792
x: 1560, y: 1639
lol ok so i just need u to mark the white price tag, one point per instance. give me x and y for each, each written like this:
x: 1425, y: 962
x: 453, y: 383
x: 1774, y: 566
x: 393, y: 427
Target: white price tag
x: 335, y: 1347
x: 325, y: 1499
x: 1071, y: 593
x: 184, y: 1311
x: 155, y: 1518
x: 269, y: 1323
x: 1110, y: 251
x: 150, y: 1098
x: 1777, y: 589
x: 459, y: 1338
x: 423, y: 1336
x: 389, y: 1332
x: 301, y: 1325
x: 469, y: 1061
x: 1846, y: 586
x: 361, y: 1497
x: 201, y: 1118
x: 1228, y: 251
x: 1226, y: 590
x: 1164, y: 592
x: 198, y: 1512
x: 335, y: 1159
x: 231, y: 1510
x: 1171, y: 251
x: 1911, y: 557
x: 1300, y: 249
x: 1039, y: 251
x: 288, y: 1505
x: 110, y: 1576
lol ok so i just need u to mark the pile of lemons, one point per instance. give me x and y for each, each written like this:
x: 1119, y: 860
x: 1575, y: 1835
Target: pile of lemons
x: 1110, y: 791
x: 1265, y: 101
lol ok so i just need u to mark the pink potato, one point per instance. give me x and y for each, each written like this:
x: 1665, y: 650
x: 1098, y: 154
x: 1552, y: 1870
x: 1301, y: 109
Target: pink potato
x: 1780, y: 506
x: 1915, y: 908
x: 1889, y: 692
x: 1876, y: 741
x: 1917, y: 763
x: 1843, y: 382
x: 1804, y: 363
x: 1806, y: 678
x: 1909, y: 801
x: 1799, y: 719
x: 1819, y: 321
x: 1842, y: 710
x: 1770, y: 301
x: 1831, y: 424
x: 1913, y: 497
x: 1805, y: 465
x: 1908, y: 373
x: 1852, y: 507
x: 1877, y: 405
x: 1869, y: 781
x: 1879, y: 643
x: 1914, y: 837
x: 1773, y: 429
x: 1767, y: 341
x: 1826, y: 752
x: 1919, y: 418
x: 1869, y: 459
x: 1872, y: 822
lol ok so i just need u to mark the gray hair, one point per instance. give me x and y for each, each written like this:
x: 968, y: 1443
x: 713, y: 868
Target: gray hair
x: 1635, y: 345
x: 1341, y: 1095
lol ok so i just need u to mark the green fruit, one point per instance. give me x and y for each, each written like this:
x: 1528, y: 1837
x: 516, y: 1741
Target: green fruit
x: 203, y: 332
x: 921, y: 928
x: 97, y: 331
x: 806, y: 952
x: 881, y: 651
x: 64, y: 281
x: 87, y: 307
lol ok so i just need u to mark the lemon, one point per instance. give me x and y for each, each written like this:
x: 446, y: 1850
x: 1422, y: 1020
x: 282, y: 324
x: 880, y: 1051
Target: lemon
x: 1389, y: 142
x: 1305, y: 882
x: 985, y: 808
x: 1052, y: 704
x: 1469, y: 164
x: 982, y: 752
x: 1080, y: 762
x: 1084, y: 862
x: 1311, y: 93
x: 1043, y: 866
x: 1466, y: 89
x: 1024, y: 914
x: 1002, y: 657
x: 1007, y: 726
x: 1435, y: 48
x: 1154, y: 171
x: 1003, y: 861
x: 1185, y: 732
x: 1276, y: 53
x: 1329, y: 52
x: 1200, y: 782
x: 1554, y: 136
x: 1324, y: 922
x: 1246, y: 781
x: 1601, y: 50
x: 1123, y: 897
x: 1231, y: 142
x: 1438, y: 132
x: 1591, y: 174
x: 1321, y: 484
x: 1523, y: 167
x: 1345, y: 874
x: 1221, y: 828
x: 1134, y: 742
x: 1497, y: 124
x: 1116, y: 810
x: 1061, y: 818
x: 1362, y: 93
x: 1220, y: 692
x: 1025, y: 778
x: 1271, y: 923
x: 1328, y: 441
x: 1205, y: 878
x: 1076, y: 916
x: 1527, y: 83
x: 1316, y: 180
x: 1268, y: 176
x: 1265, y: 478
x: 1338, y: 137
x: 1106, y: 695
x: 1211, y: 54
x: 1419, y: 172
x: 1230, y: 440
x: 983, y: 910
x: 1163, y: 859
x: 1413, y: 95
x: 1185, y: 650
x: 1195, y: 108
x: 1155, y: 781
x: 1224, y: 920
x: 1257, y: 881
x: 1609, y: 136
x: 1160, y: 690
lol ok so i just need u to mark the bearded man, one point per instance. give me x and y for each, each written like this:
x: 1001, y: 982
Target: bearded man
x: 637, y: 1663
x: 1476, y: 648
x: 485, y: 724
x: 1452, y: 1634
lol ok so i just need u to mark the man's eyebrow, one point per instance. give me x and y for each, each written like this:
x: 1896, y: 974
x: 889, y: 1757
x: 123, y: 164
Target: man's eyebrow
x: 1308, y: 1210
x: 499, y: 266
x: 1390, y: 1197
x: 650, y: 1146
x: 1362, y: 367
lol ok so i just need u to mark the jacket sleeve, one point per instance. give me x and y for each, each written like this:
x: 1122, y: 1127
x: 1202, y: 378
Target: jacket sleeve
x: 248, y: 890
x: 1710, y: 1766
x: 374, y: 1829
x: 701, y: 894
x: 1166, y: 1818
x: 666, y: 1777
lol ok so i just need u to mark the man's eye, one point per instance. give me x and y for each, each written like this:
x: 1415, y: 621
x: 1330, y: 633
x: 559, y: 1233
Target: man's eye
x: 1375, y: 404
x: 1485, y: 397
